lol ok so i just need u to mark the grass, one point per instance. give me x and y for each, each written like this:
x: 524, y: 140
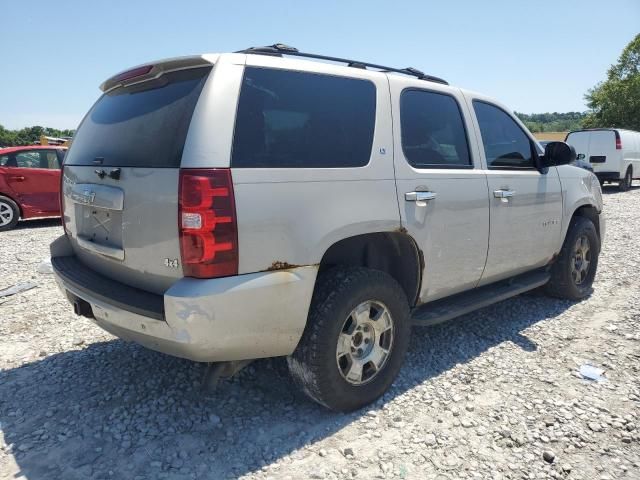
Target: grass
x: 553, y: 136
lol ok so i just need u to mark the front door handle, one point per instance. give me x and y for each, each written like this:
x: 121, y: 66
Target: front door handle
x: 17, y: 178
x: 503, y: 193
x: 419, y: 196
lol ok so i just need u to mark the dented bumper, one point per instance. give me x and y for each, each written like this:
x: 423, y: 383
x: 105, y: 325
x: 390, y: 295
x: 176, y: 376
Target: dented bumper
x: 233, y: 318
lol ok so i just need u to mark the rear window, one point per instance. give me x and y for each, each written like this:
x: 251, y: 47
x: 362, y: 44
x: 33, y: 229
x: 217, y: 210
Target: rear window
x: 141, y: 125
x: 586, y: 136
x: 293, y: 119
x: 577, y: 136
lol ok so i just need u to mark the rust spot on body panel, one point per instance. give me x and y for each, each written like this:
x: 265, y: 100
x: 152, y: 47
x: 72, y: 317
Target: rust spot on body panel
x: 280, y: 265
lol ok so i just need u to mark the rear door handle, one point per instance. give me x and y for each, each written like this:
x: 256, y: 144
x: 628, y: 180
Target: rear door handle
x: 419, y: 196
x: 503, y: 193
x: 17, y: 178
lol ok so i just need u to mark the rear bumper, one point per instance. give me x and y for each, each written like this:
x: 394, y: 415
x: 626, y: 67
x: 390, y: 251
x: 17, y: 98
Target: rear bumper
x: 234, y: 318
x: 607, y: 175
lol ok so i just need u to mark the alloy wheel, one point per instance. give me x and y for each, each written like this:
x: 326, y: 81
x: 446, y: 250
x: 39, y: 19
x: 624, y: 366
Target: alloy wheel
x: 6, y: 214
x: 581, y: 260
x: 365, y: 342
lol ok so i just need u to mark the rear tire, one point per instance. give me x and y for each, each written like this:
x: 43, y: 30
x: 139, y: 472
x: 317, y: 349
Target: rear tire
x: 625, y: 183
x: 355, y: 340
x: 575, y: 268
x: 9, y: 214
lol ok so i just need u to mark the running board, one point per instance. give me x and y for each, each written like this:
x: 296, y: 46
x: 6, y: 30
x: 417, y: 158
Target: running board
x: 451, y: 307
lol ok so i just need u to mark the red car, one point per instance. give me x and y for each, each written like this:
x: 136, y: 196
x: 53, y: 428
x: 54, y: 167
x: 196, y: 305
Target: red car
x: 29, y: 183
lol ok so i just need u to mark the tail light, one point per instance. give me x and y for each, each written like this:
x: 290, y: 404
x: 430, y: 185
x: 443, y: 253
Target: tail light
x: 207, y: 223
x: 618, y: 140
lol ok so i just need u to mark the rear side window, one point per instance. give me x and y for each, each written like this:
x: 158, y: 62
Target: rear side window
x: 141, y: 125
x: 505, y: 144
x: 293, y: 119
x: 433, y: 133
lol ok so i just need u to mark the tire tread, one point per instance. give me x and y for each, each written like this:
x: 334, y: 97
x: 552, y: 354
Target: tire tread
x: 561, y: 284
x: 306, y: 363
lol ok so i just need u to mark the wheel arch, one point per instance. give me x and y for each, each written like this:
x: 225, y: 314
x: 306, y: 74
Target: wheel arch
x: 588, y: 211
x: 395, y: 253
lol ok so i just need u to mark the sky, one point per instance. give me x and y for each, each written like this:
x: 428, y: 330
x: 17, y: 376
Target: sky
x: 536, y: 57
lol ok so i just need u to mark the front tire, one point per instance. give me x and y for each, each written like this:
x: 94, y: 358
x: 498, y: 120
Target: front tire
x: 625, y: 183
x: 575, y: 268
x: 9, y: 214
x: 355, y: 340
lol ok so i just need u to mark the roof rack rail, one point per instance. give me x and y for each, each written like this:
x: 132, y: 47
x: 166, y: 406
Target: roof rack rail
x: 280, y: 49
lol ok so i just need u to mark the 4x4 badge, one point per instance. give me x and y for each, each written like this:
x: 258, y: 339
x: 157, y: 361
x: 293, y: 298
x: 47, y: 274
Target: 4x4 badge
x: 89, y: 196
x: 171, y: 263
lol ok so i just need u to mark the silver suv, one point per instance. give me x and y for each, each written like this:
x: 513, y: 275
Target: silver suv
x: 228, y: 207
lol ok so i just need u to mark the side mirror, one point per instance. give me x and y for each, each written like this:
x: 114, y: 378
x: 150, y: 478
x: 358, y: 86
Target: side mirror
x: 557, y: 153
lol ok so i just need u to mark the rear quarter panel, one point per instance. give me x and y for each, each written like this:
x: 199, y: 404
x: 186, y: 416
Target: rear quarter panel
x: 291, y: 216
x: 294, y: 222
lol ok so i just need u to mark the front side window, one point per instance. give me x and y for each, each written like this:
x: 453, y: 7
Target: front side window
x: 289, y: 119
x: 28, y: 159
x: 505, y: 144
x: 433, y: 133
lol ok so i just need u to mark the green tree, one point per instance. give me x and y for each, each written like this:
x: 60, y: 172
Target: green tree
x: 552, y: 122
x: 29, y: 135
x: 7, y: 137
x: 616, y: 101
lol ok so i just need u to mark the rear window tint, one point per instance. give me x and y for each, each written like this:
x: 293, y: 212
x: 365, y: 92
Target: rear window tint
x: 140, y: 126
x: 293, y: 119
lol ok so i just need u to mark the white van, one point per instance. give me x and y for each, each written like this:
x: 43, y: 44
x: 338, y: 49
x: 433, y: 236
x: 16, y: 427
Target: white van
x: 614, y: 154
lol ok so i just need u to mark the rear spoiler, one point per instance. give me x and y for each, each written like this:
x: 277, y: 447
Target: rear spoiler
x: 153, y: 70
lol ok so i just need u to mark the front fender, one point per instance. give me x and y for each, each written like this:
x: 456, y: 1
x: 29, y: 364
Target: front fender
x: 580, y: 188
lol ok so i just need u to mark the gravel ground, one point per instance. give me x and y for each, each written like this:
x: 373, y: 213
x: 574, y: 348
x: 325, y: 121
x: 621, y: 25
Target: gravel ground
x: 495, y: 394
